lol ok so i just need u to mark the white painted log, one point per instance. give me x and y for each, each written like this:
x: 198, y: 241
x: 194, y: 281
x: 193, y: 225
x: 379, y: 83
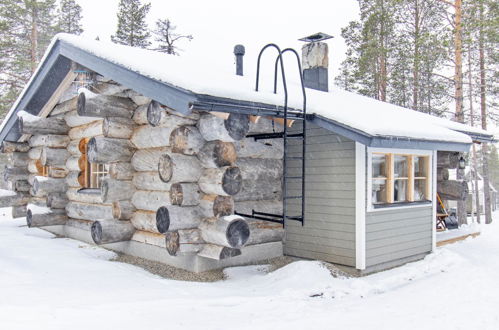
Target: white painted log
x: 185, y: 194
x: 84, y: 195
x: 111, y: 231
x: 176, y: 217
x: 264, y: 232
x: 121, y: 171
x: 123, y: 210
x: 186, y: 140
x: 145, y: 220
x: 249, y: 148
x: 30, y: 124
x: 216, y: 206
x: 19, y: 211
x: 11, y: 198
x: 158, y: 116
x: 8, y: 146
x: 35, y: 153
x: 88, y: 211
x: 57, y: 201
x: 88, y: 130
x: 116, y: 190
x: 15, y: 174
x: 22, y: 185
x: 45, y: 185
x: 54, y: 157
x: 50, y: 218
x: 175, y: 168
x: 73, y: 119
x: 225, y: 181
x: 74, y: 148
x: 51, y: 141
x: 140, y: 115
x: 116, y: 127
x: 65, y: 106
x: 18, y: 159
x: 234, y: 128
x: 217, y: 252
x: 266, y: 206
x: 57, y: 172
x: 148, y: 159
x: 98, y: 105
x: 104, y: 150
x: 150, y: 181
x: 183, y: 241
x: 230, y: 231
x: 146, y: 237
x: 217, y: 154
x: 72, y: 179
x: 150, y: 200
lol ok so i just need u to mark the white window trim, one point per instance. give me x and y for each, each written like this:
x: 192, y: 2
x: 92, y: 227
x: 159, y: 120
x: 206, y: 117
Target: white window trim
x: 360, y: 206
x: 415, y: 152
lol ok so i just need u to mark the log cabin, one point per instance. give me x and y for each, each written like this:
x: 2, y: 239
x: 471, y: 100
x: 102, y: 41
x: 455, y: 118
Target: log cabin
x: 147, y: 154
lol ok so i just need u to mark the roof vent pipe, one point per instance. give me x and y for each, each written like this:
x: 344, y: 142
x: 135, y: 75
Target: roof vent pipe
x: 239, y: 52
x: 315, y: 61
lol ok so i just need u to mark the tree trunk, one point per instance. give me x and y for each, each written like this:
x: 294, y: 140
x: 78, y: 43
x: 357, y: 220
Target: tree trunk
x: 225, y: 181
x: 98, y: 105
x: 123, y: 210
x: 185, y: 194
x: 54, y: 157
x: 103, y: 150
x: 121, y: 171
x: 8, y: 147
x: 116, y: 127
x: 50, y: 218
x: 116, y: 190
x: 87, y: 211
x: 216, y: 154
x: 44, y: 185
x: 183, y: 241
x: 111, y: 231
x: 217, y: 252
x: 249, y: 148
x: 30, y: 124
x: 50, y: 141
x: 452, y: 190
x: 150, y: 200
x: 177, y: 217
x: 158, y: 115
x: 148, y: 159
x: 150, y: 181
x: 11, y: 198
x: 232, y: 129
x: 175, y: 168
x: 264, y: 232
x: 458, y: 62
x: 216, y: 206
x: 186, y: 140
x: 230, y: 231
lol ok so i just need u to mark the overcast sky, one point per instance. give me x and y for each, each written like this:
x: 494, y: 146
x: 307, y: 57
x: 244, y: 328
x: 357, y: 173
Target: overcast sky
x: 218, y: 25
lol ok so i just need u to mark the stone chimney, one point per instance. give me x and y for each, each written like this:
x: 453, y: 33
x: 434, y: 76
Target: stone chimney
x: 315, y: 62
x: 239, y: 53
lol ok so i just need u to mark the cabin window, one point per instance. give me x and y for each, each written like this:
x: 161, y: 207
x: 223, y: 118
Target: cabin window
x: 399, y: 178
x: 93, y: 173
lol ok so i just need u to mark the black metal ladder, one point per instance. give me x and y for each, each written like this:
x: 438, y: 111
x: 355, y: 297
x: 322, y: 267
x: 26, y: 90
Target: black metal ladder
x: 286, y: 136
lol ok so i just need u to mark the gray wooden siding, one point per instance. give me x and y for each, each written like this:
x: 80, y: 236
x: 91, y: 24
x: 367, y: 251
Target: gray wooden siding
x: 329, y: 231
x: 396, y: 234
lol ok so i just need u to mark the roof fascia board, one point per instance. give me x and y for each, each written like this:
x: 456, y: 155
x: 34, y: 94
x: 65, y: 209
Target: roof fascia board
x: 173, y: 97
x: 396, y: 142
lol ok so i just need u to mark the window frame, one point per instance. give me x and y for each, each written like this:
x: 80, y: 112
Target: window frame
x: 90, y: 169
x: 390, y: 179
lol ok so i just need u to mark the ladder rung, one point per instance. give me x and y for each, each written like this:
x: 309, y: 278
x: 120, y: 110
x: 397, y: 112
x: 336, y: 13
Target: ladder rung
x: 293, y: 177
x: 293, y: 157
x: 297, y: 217
x: 292, y: 197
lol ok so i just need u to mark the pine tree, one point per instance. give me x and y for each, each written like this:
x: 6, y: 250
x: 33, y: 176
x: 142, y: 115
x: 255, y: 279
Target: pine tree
x: 167, y: 38
x: 26, y: 28
x: 132, y: 27
x: 69, y: 17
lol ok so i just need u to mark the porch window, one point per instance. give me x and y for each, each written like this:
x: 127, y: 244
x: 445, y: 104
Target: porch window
x: 399, y: 178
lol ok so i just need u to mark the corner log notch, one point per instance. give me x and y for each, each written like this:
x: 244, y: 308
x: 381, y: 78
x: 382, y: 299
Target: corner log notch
x: 46, y: 218
x: 229, y: 231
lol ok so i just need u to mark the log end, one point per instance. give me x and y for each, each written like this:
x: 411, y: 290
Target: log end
x: 227, y: 253
x: 223, y: 205
x: 237, y: 125
x: 238, y: 233
x: 172, y: 242
x: 232, y: 181
x: 165, y: 168
x: 224, y: 154
x: 176, y: 194
x: 154, y: 113
x: 96, y: 232
x: 29, y: 218
x: 80, y: 105
x: 162, y: 219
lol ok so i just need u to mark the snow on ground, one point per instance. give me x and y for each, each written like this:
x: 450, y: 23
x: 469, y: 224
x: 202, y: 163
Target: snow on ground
x: 58, y: 283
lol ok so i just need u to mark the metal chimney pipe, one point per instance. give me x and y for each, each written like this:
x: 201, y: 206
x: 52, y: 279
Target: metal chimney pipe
x: 239, y: 52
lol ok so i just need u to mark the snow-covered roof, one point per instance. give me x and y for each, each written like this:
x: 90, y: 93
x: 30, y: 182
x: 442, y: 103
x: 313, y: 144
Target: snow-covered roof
x: 194, y: 79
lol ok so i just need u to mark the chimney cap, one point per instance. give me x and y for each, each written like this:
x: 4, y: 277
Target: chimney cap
x: 320, y: 36
x: 239, y: 50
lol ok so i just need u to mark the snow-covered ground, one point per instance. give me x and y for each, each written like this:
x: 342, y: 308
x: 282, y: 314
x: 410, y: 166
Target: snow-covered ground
x: 56, y: 283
